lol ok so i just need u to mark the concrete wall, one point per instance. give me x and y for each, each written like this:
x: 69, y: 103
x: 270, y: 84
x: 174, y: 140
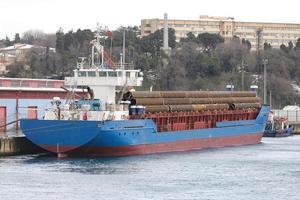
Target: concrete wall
x: 17, y: 146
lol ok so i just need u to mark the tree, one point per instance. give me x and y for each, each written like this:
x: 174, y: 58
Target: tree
x: 298, y: 44
x: 267, y: 46
x: 209, y: 41
x: 284, y: 48
x: 231, y: 54
x: 7, y: 42
x: 154, y: 42
x: 17, y: 38
x: 291, y: 45
x: 31, y: 36
x: 190, y: 37
x: 59, y: 41
x: 247, y: 44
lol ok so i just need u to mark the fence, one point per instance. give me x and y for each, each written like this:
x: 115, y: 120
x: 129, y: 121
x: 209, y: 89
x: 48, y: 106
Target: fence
x: 292, y: 115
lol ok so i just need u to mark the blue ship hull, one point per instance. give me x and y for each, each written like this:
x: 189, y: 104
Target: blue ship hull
x: 132, y: 137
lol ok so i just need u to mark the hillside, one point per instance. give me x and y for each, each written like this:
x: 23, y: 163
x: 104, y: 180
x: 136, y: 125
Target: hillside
x: 202, y: 62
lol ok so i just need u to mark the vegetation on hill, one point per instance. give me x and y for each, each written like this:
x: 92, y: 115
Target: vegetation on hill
x: 197, y: 62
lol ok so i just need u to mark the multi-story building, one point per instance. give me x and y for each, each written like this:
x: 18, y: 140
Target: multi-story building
x: 257, y: 33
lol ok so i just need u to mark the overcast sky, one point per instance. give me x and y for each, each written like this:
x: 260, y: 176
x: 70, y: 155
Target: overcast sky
x: 17, y: 16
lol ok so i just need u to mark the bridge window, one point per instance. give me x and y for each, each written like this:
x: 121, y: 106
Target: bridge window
x: 119, y: 74
x: 50, y: 84
x: 81, y: 74
x: 127, y: 74
x: 91, y: 74
x: 41, y: 83
x: 25, y: 83
x: 15, y: 83
x: 112, y: 74
x: 102, y: 74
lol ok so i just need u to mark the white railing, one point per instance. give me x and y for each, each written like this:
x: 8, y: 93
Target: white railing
x: 126, y: 66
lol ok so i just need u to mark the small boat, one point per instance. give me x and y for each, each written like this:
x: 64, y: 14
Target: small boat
x: 278, y: 127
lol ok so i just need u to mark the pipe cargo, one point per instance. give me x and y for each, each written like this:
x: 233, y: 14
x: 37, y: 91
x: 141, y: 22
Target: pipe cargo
x: 246, y: 105
x: 191, y: 107
x: 157, y: 108
x: 186, y: 101
x: 190, y: 94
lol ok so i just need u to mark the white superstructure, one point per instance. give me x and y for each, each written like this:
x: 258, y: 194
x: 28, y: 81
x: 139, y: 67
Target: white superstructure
x: 102, y: 78
x: 102, y: 75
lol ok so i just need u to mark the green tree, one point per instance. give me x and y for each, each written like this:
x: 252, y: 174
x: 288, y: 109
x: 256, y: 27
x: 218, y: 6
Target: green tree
x: 209, y: 41
x: 17, y: 38
x: 297, y: 46
x: 247, y: 44
x: 291, y: 45
x: 190, y: 37
x: 284, y: 48
x: 7, y: 42
x: 59, y: 41
x: 154, y: 42
x: 267, y: 46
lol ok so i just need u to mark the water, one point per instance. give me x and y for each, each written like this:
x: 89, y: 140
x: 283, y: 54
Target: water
x: 270, y: 170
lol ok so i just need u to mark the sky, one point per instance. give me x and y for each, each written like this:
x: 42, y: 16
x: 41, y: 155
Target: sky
x: 18, y: 16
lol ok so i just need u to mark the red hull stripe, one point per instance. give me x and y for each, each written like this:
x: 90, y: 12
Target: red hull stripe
x: 187, y: 145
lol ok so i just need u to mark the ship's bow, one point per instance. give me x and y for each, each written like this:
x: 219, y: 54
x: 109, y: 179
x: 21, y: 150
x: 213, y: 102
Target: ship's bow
x: 59, y: 136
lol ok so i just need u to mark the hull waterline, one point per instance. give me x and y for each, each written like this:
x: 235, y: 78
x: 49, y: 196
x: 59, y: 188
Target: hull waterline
x: 137, y: 137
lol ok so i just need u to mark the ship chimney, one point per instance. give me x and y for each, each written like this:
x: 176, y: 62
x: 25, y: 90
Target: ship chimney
x: 166, y: 33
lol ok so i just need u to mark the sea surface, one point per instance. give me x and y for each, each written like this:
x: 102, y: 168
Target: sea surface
x: 270, y: 170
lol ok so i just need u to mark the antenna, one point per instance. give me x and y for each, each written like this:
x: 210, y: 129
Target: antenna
x: 123, y: 55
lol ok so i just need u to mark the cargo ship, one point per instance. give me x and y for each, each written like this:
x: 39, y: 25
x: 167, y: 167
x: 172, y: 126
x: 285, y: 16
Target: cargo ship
x: 115, y: 120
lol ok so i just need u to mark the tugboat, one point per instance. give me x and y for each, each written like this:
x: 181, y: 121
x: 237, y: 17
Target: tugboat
x: 278, y: 127
x: 122, y: 122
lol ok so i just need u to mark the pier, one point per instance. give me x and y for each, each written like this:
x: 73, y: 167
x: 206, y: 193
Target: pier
x: 11, y: 145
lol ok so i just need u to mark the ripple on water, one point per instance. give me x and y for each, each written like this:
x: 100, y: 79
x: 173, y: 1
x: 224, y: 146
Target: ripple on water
x: 269, y: 170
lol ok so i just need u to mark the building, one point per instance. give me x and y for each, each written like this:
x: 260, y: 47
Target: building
x: 17, y: 53
x: 257, y: 33
x: 28, y: 98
